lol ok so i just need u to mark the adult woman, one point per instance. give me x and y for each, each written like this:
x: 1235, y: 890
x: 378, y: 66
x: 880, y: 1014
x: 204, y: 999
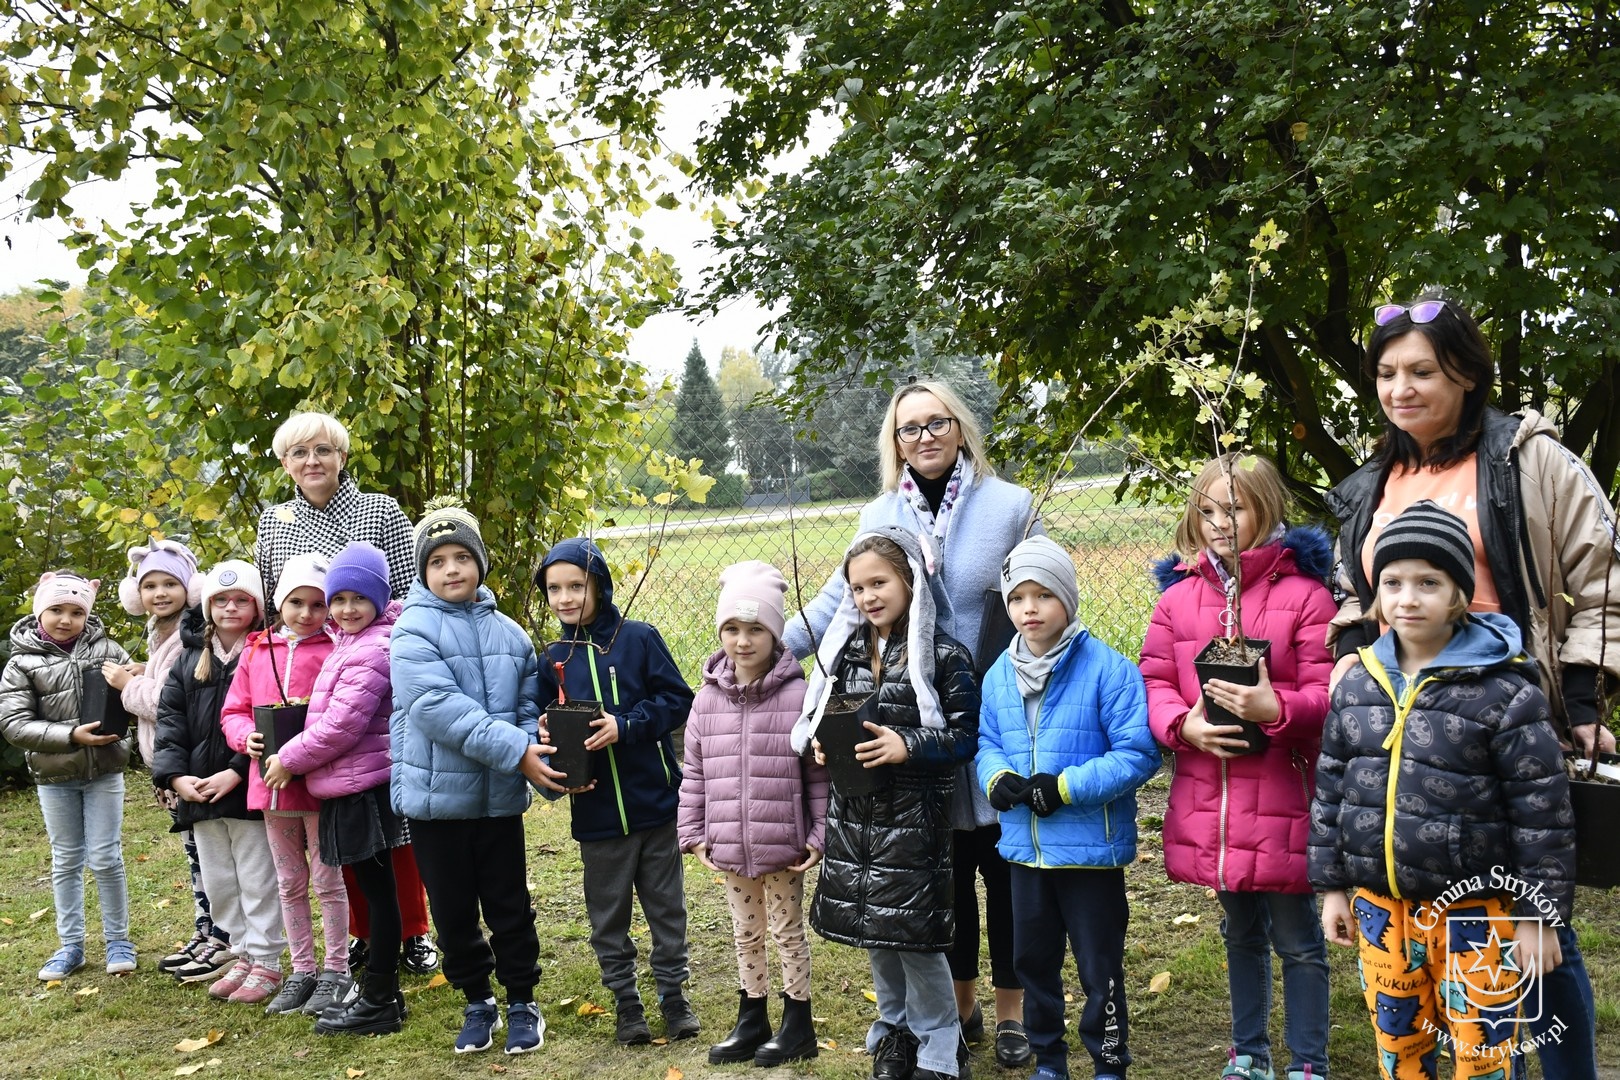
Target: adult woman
x: 937, y: 482
x: 1545, y: 555
x: 328, y: 512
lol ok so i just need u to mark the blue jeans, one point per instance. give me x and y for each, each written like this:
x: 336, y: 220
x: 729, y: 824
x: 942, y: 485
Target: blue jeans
x: 85, y: 820
x: 914, y: 991
x: 1255, y: 923
x: 1566, y: 997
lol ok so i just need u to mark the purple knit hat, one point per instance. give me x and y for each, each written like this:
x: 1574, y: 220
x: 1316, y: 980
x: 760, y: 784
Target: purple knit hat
x: 160, y: 557
x: 361, y: 568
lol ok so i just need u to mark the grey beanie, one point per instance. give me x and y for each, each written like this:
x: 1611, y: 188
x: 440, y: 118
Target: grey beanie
x: 1042, y: 560
x: 1426, y: 530
x: 449, y: 524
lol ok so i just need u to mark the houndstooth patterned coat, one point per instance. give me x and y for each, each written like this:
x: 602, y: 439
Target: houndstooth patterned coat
x: 298, y: 526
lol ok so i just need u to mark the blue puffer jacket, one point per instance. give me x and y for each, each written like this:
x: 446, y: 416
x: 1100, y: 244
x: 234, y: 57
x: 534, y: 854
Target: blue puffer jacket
x: 626, y: 666
x: 466, y: 707
x: 1092, y: 731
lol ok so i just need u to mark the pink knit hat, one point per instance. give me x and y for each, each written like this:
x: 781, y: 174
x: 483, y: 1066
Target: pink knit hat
x: 752, y: 591
x: 160, y: 557
x: 61, y: 587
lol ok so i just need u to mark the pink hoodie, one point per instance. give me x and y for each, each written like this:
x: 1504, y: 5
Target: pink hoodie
x: 255, y: 684
x: 344, y: 747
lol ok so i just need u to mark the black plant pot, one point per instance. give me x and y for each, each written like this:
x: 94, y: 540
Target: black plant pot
x: 841, y: 728
x: 568, y: 725
x: 1242, y: 674
x: 279, y: 724
x: 1597, y: 808
x: 101, y: 702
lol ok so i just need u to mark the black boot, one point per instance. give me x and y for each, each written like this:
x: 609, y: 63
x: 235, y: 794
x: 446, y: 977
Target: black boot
x: 795, y: 1040
x: 753, y: 1027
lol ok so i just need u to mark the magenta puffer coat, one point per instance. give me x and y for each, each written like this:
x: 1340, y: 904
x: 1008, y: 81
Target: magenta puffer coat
x: 255, y: 683
x: 746, y: 795
x: 1240, y: 825
x: 344, y: 746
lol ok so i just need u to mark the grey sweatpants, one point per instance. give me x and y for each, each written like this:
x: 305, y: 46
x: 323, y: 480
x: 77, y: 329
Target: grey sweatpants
x: 649, y: 862
x: 239, y: 876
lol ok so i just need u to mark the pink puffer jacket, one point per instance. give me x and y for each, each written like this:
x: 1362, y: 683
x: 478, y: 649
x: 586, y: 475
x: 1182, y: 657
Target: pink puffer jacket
x: 255, y: 684
x: 746, y: 795
x: 344, y: 747
x: 1240, y: 825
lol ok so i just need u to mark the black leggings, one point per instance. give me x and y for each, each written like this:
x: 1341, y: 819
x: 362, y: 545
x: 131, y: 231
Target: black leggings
x: 975, y: 850
x: 375, y: 876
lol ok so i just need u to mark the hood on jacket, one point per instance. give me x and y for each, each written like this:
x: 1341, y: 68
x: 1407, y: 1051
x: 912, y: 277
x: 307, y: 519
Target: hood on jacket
x: 581, y: 552
x: 388, y: 616
x: 25, y: 636
x: 421, y: 595
x: 1482, y: 641
x: 720, y: 672
x: 193, y: 626
x: 1310, y: 545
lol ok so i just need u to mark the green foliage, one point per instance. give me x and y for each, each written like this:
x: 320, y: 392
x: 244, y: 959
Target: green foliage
x: 383, y: 211
x: 729, y: 492
x: 700, y: 430
x: 1040, y: 179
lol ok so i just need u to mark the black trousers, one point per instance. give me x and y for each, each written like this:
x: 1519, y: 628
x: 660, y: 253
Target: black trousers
x: 974, y: 852
x: 375, y: 877
x: 472, y: 868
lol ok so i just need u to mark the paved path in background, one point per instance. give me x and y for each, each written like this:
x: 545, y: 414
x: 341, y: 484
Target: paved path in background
x: 770, y: 515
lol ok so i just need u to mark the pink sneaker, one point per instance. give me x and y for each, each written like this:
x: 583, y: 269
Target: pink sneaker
x: 228, y: 983
x: 260, y: 986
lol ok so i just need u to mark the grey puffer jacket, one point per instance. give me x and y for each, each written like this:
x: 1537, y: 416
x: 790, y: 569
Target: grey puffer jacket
x: 40, y: 697
x: 886, y: 880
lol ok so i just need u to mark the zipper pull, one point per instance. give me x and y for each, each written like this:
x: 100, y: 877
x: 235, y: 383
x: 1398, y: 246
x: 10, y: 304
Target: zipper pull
x: 613, y: 680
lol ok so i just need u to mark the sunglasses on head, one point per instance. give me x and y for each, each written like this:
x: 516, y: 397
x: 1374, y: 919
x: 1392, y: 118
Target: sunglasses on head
x: 1424, y: 311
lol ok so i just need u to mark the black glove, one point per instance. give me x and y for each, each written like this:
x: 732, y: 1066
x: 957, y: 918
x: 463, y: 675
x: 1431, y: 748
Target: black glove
x: 1042, y: 794
x: 1008, y: 791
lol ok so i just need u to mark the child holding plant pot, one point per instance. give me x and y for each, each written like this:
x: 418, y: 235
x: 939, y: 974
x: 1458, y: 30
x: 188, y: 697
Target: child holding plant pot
x: 886, y: 883
x: 1441, y: 833
x: 754, y: 810
x: 624, y: 819
x: 1238, y: 820
x: 277, y: 668
x: 1063, y: 746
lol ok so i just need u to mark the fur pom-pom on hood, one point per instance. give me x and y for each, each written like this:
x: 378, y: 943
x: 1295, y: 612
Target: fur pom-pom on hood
x: 1310, y: 545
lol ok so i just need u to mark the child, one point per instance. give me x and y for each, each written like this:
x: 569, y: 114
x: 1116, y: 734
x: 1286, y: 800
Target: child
x: 886, y: 884
x: 79, y: 772
x: 754, y: 810
x: 624, y: 822
x: 279, y: 666
x: 1441, y: 800
x: 342, y: 754
x: 462, y: 736
x: 1063, y: 738
x: 192, y: 759
x: 1238, y: 822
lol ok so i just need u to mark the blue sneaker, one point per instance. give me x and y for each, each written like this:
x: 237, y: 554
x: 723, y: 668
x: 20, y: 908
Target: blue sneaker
x: 478, y: 1028
x: 1046, y: 1072
x: 525, y: 1028
x: 120, y: 957
x: 64, y: 962
x: 1244, y: 1067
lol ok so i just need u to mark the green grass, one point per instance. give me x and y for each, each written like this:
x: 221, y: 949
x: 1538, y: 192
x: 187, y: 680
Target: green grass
x: 129, y: 1025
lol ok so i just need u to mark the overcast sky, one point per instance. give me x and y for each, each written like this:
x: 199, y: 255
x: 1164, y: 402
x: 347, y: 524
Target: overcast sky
x: 35, y: 248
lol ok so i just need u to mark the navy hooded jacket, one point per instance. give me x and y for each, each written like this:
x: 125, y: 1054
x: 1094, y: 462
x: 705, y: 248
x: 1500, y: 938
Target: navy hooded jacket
x: 626, y: 666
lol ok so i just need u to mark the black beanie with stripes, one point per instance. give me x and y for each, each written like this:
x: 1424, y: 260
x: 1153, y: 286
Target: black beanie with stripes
x: 1427, y: 531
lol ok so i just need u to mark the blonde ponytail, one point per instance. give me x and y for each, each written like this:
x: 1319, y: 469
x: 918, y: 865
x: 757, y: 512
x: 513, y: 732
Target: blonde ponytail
x: 205, y: 662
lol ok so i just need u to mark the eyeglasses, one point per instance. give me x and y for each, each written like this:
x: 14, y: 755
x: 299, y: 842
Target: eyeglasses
x: 913, y: 432
x: 302, y: 453
x: 1424, y: 311
x: 231, y: 601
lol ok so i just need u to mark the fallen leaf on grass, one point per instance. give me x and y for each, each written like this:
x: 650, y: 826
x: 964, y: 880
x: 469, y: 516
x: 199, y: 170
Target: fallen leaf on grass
x: 1184, y: 919
x: 869, y: 996
x: 162, y: 903
x: 1209, y: 894
x: 497, y: 1068
x: 301, y: 1053
x: 354, y: 1074
x: 187, y: 1046
x: 565, y: 1002
x: 1144, y: 857
x: 40, y: 914
x: 87, y: 991
x: 1068, y: 999
x: 142, y: 858
x: 818, y: 1019
x: 437, y: 980
x: 53, y: 984
x: 8, y: 922
x: 662, y: 1040
x: 1160, y: 983
x: 674, y: 1074
x: 828, y: 1044
x: 591, y: 1009
x: 188, y: 1070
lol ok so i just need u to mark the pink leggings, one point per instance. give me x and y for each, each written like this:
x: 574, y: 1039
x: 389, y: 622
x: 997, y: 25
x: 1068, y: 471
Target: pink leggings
x: 296, y: 848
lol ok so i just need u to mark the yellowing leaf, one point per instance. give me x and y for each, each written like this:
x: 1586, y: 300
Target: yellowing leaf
x: 87, y: 991
x: 565, y: 1002
x: 188, y: 1046
x: 869, y: 996
x: 674, y: 1074
x: 662, y: 1040
x: 1160, y: 983
x: 8, y: 922
x: 574, y: 492
x: 129, y: 515
x: 591, y: 1009
x: 354, y: 1074
x: 187, y: 1070
x: 163, y: 902
x: 828, y: 1044
x: 53, y: 984
x: 40, y: 914
x: 437, y: 980
x: 1184, y: 919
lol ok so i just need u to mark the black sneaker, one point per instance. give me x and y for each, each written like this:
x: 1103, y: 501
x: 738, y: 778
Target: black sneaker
x: 295, y: 990
x: 365, y: 1017
x: 185, y: 954
x: 632, y: 1027
x: 680, y: 1022
x: 895, y: 1057
x: 418, y: 956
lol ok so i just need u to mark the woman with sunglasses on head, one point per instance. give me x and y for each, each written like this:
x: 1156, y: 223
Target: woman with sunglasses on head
x: 937, y: 483
x: 1545, y: 554
x: 326, y: 514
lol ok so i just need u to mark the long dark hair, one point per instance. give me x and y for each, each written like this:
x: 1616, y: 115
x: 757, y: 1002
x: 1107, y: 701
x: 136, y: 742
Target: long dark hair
x: 893, y: 554
x: 1464, y: 355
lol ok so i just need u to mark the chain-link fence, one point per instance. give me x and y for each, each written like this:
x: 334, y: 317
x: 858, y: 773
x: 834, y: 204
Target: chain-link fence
x: 1112, y: 544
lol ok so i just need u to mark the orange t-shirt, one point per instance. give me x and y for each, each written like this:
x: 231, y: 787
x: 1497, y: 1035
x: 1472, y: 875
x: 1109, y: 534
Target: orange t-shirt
x: 1453, y: 489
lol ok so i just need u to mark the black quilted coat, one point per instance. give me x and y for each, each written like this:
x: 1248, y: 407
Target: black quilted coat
x: 886, y: 879
x: 1478, y: 787
x: 189, y: 740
